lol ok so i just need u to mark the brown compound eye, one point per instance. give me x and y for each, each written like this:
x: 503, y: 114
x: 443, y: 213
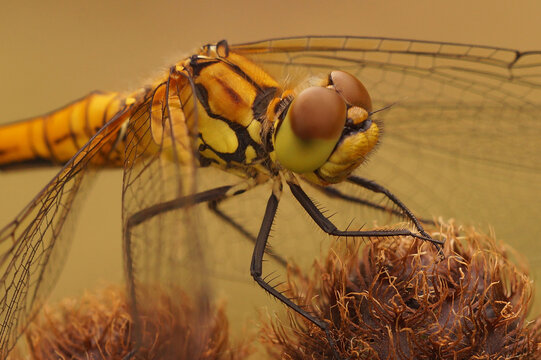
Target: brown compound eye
x: 351, y: 89
x: 317, y: 113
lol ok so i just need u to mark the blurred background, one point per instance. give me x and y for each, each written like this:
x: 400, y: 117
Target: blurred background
x: 53, y: 53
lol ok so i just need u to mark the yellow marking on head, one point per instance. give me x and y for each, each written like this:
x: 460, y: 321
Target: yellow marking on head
x: 348, y: 155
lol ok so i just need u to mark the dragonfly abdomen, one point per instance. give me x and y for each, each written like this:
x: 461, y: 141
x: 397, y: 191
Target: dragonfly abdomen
x: 55, y: 138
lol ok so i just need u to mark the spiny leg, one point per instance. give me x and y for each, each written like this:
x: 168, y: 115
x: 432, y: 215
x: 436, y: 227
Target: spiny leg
x: 256, y: 266
x: 377, y: 188
x: 327, y: 226
x: 336, y: 193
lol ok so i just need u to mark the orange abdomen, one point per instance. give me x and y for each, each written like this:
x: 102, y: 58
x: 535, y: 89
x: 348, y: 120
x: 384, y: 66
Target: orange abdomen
x: 54, y: 138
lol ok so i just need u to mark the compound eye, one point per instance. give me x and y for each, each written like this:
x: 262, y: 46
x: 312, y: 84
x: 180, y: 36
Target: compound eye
x: 317, y: 113
x: 310, y: 130
x: 351, y: 89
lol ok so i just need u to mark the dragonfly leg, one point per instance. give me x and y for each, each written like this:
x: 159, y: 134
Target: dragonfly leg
x: 327, y: 226
x: 256, y: 267
x: 377, y: 188
x: 336, y: 193
x: 154, y: 210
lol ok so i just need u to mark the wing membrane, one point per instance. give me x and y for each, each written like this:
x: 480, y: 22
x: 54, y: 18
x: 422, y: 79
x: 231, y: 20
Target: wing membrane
x: 34, y: 245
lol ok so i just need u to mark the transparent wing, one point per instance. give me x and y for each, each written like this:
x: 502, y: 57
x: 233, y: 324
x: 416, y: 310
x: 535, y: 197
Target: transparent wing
x: 461, y: 137
x: 34, y: 245
x: 162, y: 238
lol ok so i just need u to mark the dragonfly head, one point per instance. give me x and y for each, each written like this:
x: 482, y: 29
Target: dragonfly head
x: 325, y: 132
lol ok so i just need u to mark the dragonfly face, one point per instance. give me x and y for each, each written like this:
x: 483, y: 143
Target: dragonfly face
x: 326, y: 132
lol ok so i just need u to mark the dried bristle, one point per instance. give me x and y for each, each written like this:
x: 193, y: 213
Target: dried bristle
x: 98, y: 326
x: 395, y: 299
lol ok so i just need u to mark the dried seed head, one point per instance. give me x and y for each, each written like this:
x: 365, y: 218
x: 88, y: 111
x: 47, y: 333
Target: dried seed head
x: 98, y: 326
x: 394, y: 299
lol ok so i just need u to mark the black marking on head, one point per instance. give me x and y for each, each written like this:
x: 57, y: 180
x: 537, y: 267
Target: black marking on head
x: 261, y: 102
x: 351, y: 128
x: 282, y: 108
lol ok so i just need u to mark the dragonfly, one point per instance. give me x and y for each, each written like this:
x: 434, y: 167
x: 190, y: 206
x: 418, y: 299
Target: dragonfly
x: 305, y: 112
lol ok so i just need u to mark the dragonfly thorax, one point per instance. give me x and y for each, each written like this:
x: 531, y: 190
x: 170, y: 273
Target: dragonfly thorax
x: 233, y: 95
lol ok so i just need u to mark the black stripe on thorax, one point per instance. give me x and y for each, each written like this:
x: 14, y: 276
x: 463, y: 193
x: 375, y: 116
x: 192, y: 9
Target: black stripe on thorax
x: 264, y: 95
x: 198, y: 64
x: 243, y: 137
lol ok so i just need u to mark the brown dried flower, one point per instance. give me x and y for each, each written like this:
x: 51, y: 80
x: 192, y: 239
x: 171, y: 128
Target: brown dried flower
x: 396, y: 299
x: 98, y: 326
